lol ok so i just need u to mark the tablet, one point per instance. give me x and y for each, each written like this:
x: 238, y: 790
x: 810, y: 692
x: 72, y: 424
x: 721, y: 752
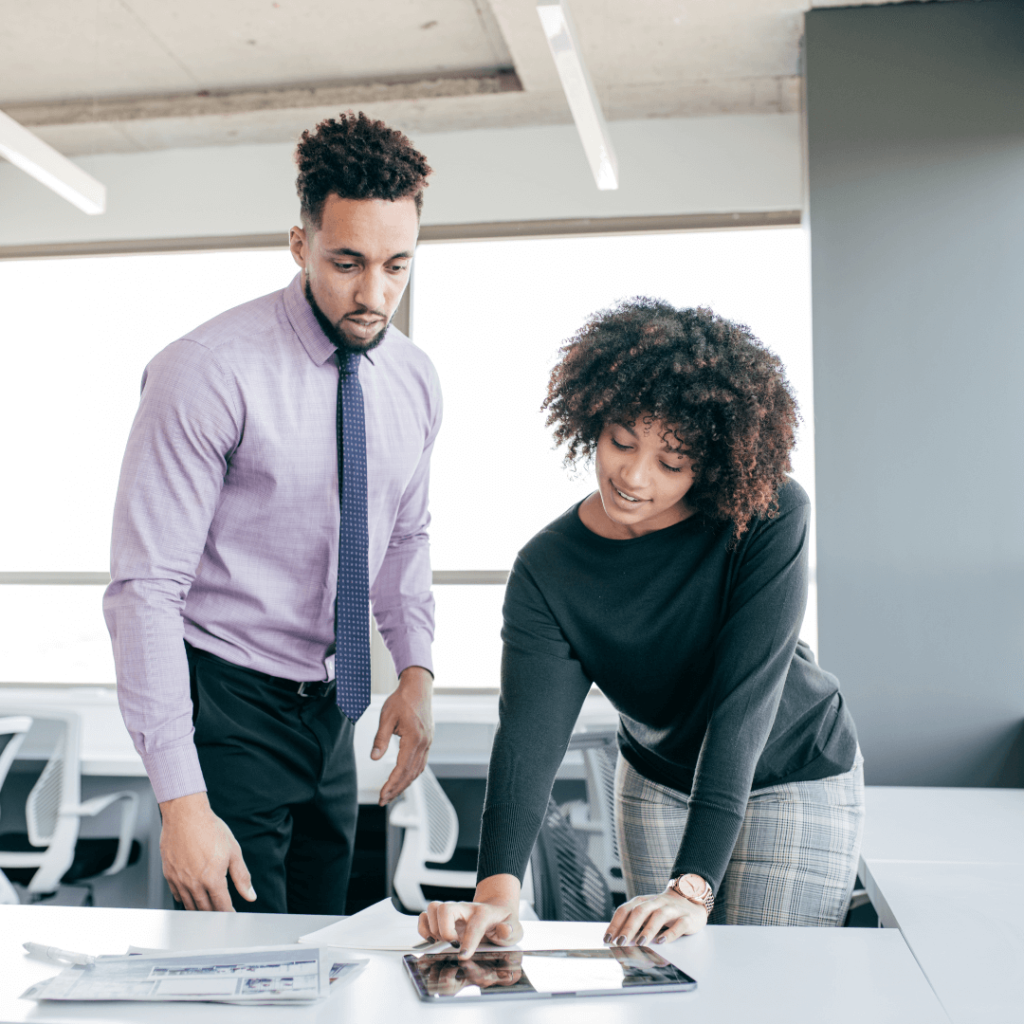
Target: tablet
x: 542, y: 974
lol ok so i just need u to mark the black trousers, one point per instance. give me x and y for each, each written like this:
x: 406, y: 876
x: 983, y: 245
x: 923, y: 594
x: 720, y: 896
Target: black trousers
x: 281, y: 772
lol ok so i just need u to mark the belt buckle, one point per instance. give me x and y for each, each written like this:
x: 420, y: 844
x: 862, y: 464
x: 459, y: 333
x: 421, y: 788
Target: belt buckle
x: 303, y: 690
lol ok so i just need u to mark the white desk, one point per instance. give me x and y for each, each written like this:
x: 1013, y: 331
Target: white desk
x: 789, y: 976
x: 464, y: 729
x: 919, y: 845
x: 932, y: 824
x: 971, y: 948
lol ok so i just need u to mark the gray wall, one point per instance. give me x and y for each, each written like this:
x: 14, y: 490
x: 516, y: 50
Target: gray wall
x: 916, y: 192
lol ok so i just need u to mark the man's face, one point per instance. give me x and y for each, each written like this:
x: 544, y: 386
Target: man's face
x: 356, y: 265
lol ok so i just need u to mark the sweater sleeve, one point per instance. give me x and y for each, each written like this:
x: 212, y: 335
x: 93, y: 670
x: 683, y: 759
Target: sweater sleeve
x: 542, y: 690
x: 752, y: 656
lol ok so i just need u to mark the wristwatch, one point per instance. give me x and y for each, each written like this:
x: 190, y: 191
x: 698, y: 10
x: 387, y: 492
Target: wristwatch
x: 694, y: 889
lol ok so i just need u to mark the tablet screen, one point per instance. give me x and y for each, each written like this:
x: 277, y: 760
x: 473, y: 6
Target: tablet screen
x: 512, y: 973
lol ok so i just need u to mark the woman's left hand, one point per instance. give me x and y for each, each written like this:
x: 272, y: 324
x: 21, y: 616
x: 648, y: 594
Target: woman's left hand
x: 661, y: 918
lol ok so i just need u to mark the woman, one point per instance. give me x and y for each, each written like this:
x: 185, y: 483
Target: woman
x: 679, y: 587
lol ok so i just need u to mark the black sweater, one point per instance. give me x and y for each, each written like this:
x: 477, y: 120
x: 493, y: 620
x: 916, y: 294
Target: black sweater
x: 695, y: 644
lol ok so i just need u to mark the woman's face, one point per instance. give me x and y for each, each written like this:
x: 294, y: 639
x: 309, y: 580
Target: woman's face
x: 643, y: 476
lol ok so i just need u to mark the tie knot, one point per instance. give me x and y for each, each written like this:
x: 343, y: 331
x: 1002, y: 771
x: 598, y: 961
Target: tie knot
x: 348, y: 362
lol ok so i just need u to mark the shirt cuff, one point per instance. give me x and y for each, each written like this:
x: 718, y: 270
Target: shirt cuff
x: 411, y: 649
x: 174, y: 771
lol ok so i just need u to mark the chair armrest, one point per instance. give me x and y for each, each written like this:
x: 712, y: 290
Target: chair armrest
x: 129, y: 816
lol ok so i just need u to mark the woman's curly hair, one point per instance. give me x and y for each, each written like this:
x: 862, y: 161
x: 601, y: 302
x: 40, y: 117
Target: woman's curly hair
x: 722, y: 394
x: 356, y: 158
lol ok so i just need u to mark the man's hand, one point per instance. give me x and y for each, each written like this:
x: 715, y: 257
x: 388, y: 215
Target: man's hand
x: 408, y: 715
x: 198, y: 852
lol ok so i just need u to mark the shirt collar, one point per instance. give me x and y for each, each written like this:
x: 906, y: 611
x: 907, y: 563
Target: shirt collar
x: 300, y: 315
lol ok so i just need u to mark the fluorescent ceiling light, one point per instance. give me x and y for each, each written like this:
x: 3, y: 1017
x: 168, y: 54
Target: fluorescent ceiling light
x: 53, y: 169
x: 579, y: 91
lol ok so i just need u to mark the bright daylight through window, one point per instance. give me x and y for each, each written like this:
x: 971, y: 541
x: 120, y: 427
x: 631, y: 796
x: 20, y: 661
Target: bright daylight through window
x: 491, y: 315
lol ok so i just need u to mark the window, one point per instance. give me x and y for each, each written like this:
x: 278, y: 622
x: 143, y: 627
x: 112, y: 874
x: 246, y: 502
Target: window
x: 490, y: 314
x: 78, y: 334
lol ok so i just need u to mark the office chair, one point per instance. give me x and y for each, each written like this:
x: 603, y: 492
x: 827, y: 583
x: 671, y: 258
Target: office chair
x: 567, y: 884
x: 428, y: 845
x: 12, y: 735
x: 51, y: 853
x: 595, y: 817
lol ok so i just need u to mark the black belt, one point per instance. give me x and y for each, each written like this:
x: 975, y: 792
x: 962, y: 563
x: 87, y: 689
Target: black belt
x: 313, y: 688
x: 316, y: 688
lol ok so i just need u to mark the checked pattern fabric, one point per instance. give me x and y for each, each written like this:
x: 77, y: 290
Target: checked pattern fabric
x: 351, y: 615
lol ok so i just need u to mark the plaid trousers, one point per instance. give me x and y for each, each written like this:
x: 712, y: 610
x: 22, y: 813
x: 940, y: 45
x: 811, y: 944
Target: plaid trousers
x: 794, y: 862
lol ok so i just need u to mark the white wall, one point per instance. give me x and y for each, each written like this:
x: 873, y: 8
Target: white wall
x: 670, y: 166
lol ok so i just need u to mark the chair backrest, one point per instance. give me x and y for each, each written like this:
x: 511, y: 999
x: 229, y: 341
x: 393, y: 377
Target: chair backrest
x: 568, y: 885
x: 59, y: 786
x: 431, y: 834
x: 600, y: 752
x: 429, y: 818
x: 442, y: 820
x: 12, y: 735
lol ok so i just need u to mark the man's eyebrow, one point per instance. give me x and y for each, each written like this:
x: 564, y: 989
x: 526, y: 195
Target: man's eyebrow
x: 361, y: 256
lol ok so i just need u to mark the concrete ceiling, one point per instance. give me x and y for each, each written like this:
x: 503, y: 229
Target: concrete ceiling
x: 126, y: 75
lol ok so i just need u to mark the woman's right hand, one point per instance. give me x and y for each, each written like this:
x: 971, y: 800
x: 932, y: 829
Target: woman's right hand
x: 492, y: 916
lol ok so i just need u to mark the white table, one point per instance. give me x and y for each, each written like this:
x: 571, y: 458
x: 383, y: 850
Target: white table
x: 971, y: 947
x: 932, y: 824
x: 920, y: 844
x: 784, y: 975
x: 464, y: 730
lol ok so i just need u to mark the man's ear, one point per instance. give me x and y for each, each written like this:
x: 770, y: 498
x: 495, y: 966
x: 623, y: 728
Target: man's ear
x: 299, y: 246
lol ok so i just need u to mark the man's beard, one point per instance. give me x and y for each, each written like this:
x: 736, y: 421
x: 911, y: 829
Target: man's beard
x: 335, y: 334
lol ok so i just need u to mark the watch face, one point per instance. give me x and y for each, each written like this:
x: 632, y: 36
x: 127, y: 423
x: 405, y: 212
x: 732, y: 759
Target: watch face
x: 687, y: 885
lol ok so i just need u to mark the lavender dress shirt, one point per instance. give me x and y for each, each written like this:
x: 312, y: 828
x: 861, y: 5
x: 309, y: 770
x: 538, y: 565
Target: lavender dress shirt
x: 226, y: 520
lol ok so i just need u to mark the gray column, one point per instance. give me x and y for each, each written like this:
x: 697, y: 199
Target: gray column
x: 916, y: 178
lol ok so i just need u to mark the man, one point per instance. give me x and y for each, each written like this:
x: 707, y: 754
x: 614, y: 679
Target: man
x: 273, y: 486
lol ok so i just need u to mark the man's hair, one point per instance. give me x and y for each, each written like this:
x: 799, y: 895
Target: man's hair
x: 718, y: 390
x: 355, y: 158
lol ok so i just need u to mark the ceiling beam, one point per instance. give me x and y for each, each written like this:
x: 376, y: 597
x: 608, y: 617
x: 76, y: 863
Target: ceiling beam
x: 211, y: 104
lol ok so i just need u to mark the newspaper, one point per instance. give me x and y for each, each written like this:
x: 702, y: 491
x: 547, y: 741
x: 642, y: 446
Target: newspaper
x: 291, y: 974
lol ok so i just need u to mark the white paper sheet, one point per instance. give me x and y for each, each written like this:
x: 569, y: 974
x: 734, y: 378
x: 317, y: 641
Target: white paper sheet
x: 282, y: 974
x: 378, y: 927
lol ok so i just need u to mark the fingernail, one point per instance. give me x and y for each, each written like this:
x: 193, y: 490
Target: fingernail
x: 660, y: 939
x: 375, y: 752
x: 620, y: 940
x: 607, y: 938
x: 252, y: 893
x: 642, y: 940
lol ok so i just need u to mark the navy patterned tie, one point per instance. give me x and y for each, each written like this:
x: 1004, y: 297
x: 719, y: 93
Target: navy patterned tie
x: 351, y: 613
